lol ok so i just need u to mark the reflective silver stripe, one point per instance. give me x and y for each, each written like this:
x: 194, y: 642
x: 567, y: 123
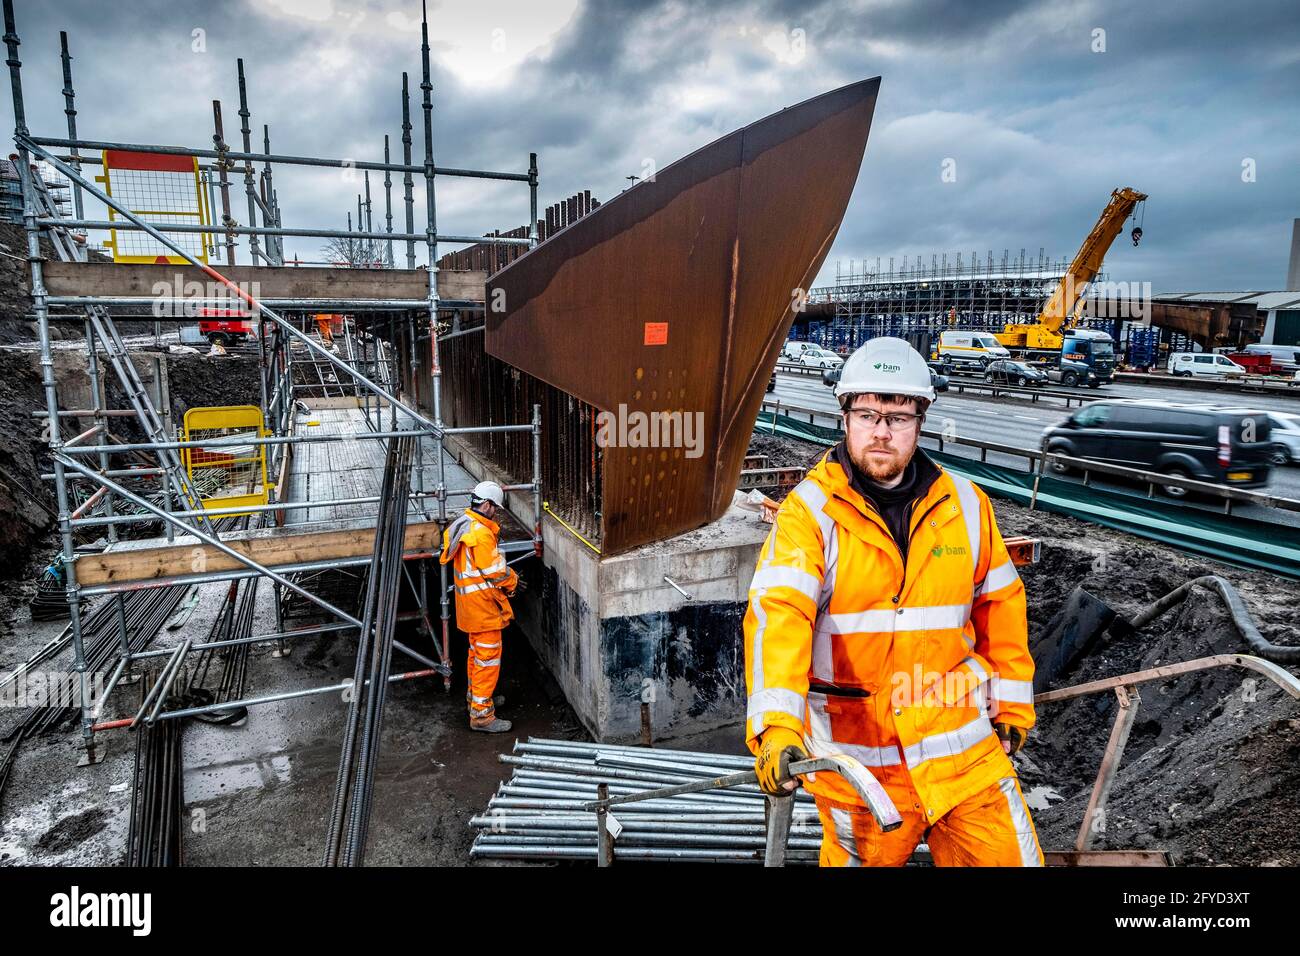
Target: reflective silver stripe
x: 886, y: 620
x: 776, y: 699
x: 844, y: 835
x: 498, y: 565
x: 831, y: 558
x: 456, y: 530
x: 819, y: 722
x: 868, y: 756
x: 811, y: 494
x: 495, y: 662
x: 970, y: 512
x: 481, y: 700
x: 976, y: 668
x: 756, y: 652
x: 1020, y: 822
x: 782, y: 577
x: 823, y: 660
x: 948, y: 744
x: 1012, y: 691
x: 998, y: 578
x: 472, y: 588
x: 823, y: 664
x: 486, y: 646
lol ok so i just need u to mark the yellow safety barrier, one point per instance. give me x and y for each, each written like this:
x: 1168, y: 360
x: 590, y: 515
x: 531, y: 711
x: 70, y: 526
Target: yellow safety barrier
x: 162, y: 189
x: 230, y: 474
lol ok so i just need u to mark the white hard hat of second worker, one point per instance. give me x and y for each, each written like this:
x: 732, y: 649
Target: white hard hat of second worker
x: 886, y: 366
x: 489, y: 491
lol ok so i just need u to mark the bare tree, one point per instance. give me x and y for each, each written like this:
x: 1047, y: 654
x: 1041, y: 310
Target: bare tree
x: 354, y: 253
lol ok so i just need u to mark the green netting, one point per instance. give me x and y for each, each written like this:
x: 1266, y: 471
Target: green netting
x: 1244, y: 541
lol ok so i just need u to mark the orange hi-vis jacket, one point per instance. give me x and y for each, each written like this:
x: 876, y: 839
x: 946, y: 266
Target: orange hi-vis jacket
x: 900, y: 667
x: 482, y: 578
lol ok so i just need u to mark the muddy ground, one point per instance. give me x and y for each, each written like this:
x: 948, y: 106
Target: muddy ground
x: 258, y: 793
x: 1210, y: 772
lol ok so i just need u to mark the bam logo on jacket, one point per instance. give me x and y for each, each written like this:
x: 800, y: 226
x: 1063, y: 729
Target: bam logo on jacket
x: 943, y: 549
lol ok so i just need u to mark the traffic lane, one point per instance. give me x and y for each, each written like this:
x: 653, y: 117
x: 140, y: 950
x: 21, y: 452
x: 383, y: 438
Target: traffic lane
x: 1275, y: 516
x: 1174, y: 393
x: 1006, y: 421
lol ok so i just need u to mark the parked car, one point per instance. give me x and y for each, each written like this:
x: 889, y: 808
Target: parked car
x: 1219, y: 444
x: 1286, y: 437
x: 1203, y: 365
x: 1012, y: 372
x: 819, y: 357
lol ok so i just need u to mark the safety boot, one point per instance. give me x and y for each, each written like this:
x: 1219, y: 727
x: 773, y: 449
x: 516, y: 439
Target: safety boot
x: 494, y: 726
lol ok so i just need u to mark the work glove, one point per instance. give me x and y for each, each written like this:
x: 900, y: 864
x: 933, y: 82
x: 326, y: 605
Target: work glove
x: 778, y: 748
x: 520, y: 587
x: 1012, y: 737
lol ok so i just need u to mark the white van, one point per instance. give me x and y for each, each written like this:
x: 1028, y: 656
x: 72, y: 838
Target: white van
x: 1203, y: 365
x: 791, y: 351
x: 979, y: 348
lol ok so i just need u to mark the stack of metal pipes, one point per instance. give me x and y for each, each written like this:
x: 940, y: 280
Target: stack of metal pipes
x: 539, y: 813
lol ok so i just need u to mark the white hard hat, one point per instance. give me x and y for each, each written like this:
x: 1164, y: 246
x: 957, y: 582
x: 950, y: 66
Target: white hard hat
x: 489, y: 491
x: 886, y: 366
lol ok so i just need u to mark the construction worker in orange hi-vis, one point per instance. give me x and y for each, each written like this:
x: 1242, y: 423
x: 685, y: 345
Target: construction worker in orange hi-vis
x: 483, y: 585
x: 887, y: 622
x: 324, y: 325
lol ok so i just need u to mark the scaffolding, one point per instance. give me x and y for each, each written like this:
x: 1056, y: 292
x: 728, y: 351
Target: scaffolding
x: 293, y: 365
x: 969, y: 292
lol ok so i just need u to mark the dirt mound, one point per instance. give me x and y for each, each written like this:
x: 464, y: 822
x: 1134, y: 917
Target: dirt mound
x: 217, y: 380
x: 784, y: 452
x: 27, y: 508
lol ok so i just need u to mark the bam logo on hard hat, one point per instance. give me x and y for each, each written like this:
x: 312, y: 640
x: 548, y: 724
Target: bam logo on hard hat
x: 886, y: 367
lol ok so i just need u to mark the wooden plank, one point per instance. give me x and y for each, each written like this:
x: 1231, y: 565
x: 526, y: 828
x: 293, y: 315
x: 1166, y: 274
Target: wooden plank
x: 270, y: 547
x: 125, y: 280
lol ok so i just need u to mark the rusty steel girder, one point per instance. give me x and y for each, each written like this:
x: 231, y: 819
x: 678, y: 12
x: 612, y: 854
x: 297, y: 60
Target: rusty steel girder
x: 666, y: 307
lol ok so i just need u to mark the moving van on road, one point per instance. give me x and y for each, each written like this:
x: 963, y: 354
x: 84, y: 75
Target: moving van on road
x: 1225, y: 445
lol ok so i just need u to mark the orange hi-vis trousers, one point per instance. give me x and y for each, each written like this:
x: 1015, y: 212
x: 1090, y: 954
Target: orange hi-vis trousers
x: 990, y: 828
x: 482, y: 670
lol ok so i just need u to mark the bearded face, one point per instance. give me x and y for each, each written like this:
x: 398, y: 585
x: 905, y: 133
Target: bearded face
x: 882, y: 450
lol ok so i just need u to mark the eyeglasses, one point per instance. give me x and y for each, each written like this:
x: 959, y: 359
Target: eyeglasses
x: 894, y: 421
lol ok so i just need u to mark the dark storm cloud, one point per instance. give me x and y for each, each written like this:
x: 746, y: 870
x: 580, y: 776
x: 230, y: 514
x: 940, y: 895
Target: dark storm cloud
x: 1037, y: 125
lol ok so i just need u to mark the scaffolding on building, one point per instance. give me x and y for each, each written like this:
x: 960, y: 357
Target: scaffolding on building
x: 295, y: 364
x: 897, y: 298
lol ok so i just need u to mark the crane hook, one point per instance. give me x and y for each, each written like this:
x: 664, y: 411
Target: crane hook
x: 1136, y: 234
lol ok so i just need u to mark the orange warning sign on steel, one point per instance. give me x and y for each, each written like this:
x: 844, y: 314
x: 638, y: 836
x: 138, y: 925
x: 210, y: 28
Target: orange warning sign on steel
x: 656, y: 333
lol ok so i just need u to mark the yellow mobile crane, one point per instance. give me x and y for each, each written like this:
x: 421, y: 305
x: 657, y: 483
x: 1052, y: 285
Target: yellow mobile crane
x: 1066, y: 303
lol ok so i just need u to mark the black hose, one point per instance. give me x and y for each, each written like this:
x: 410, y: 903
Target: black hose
x: 1259, y: 644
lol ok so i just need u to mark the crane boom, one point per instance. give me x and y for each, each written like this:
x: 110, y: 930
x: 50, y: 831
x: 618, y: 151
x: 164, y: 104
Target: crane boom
x: 1067, y: 298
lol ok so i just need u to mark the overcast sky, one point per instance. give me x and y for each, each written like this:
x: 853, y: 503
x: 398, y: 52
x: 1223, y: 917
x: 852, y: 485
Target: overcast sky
x: 1041, y: 107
